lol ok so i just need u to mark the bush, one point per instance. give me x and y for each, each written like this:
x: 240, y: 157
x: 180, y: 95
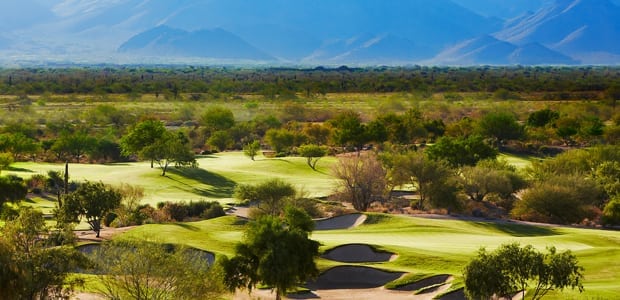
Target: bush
x: 611, y: 213
x: 175, y: 211
x: 109, y: 218
x: 216, y: 210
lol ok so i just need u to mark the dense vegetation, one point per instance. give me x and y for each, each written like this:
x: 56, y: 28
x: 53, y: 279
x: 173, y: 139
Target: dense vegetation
x: 418, y: 140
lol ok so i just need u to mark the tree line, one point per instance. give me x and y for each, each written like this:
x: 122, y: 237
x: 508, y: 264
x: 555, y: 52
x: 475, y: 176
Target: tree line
x: 561, y: 83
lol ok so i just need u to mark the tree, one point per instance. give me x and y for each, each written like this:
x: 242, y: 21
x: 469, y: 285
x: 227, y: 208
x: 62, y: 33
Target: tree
x: 271, y: 196
x: 220, y: 140
x: 6, y: 159
x: 280, y: 140
x: 501, y: 126
x: 91, y: 200
x: 490, y: 177
x: 169, y: 148
x: 217, y: 118
x: 511, y: 269
x: 142, y: 135
x: 611, y: 212
x: 33, y: 267
x: 74, y: 145
x: 349, y: 130
x: 461, y: 151
x: 145, y: 270
x: 312, y: 153
x: 251, y: 149
x: 433, y: 179
x: 274, y: 253
x: 541, y: 118
x: 361, y: 180
x: 12, y: 189
x: 565, y: 199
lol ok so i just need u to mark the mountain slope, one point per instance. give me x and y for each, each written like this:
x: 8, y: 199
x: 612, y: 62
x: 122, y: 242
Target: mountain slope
x: 491, y: 51
x: 215, y: 43
x: 574, y: 27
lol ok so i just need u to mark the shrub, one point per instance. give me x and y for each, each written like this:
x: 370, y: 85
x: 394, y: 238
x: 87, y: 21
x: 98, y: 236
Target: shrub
x: 175, y: 211
x: 109, y: 218
x: 214, y: 211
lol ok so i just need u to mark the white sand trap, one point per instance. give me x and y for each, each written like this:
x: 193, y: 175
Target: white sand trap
x: 353, y: 277
x: 456, y: 295
x: 340, y: 222
x: 433, y: 280
x: 357, y: 253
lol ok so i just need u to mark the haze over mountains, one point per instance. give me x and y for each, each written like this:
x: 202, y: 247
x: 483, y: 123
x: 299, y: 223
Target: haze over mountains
x: 311, y: 32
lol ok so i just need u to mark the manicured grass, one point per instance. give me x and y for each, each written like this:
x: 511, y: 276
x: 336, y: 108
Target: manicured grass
x: 214, y: 179
x: 428, y: 246
x: 519, y: 161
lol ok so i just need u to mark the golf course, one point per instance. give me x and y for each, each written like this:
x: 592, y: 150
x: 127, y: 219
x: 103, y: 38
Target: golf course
x: 373, y: 254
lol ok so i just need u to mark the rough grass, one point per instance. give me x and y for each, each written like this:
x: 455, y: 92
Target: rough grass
x: 428, y: 246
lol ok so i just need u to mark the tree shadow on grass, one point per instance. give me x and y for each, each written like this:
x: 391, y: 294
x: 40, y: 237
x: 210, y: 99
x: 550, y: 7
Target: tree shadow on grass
x: 15, y: 169
x: 187, y: 226
x: 518, y: 230
x: 220, y: 186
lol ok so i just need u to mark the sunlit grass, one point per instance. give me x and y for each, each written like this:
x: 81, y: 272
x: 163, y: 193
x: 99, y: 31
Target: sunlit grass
x: 427, y: 246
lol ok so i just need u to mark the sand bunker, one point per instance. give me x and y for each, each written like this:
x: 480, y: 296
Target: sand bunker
x: 357, y: 253
x: 340, y: 222
x: 426, y: 282
x: 353, y: 277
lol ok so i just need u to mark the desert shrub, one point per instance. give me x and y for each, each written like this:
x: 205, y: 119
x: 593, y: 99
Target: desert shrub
x: 175, y: 211
x: 214, y: 211
x: 554, y: 202
x: 36, y: 183
x: 611, y: 213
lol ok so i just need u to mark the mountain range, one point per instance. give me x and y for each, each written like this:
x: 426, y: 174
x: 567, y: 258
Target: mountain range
x: 311, y: 32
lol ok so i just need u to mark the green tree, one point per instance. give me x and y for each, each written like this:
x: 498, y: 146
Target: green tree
x: 216, y: 118
x: 32, y: 267
x: 431, y: 178
x: 142, y: 135
x: 6, y: 159
x: 220, y: 140
x: 271, y: 196
x: 274, y: 253
x: 563, y: 199
x: 169, y: 148
x: 12, y: 189
x: 349, y: 130
x: 74, y: 145
x: 541, y: 118
x: 501, y: 126
x: 511, y: 269
x: 312, y: 153
x: 461, y: 151
x: 611, y: 212
x: 361, y: 180
x: 251, y: 149
x: 91, y: 200
x: 144, y: 270
x: 280, y: 140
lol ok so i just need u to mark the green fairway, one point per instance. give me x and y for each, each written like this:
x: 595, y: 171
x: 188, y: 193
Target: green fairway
x: 428, y: 246
x: 214, y: 179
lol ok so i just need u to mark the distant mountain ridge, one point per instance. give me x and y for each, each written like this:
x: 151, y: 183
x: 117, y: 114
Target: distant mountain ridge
x: 316, y: 32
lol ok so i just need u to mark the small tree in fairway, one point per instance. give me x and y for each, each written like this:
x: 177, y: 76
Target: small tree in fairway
x: 275, y: 253
x: 92, y: 200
